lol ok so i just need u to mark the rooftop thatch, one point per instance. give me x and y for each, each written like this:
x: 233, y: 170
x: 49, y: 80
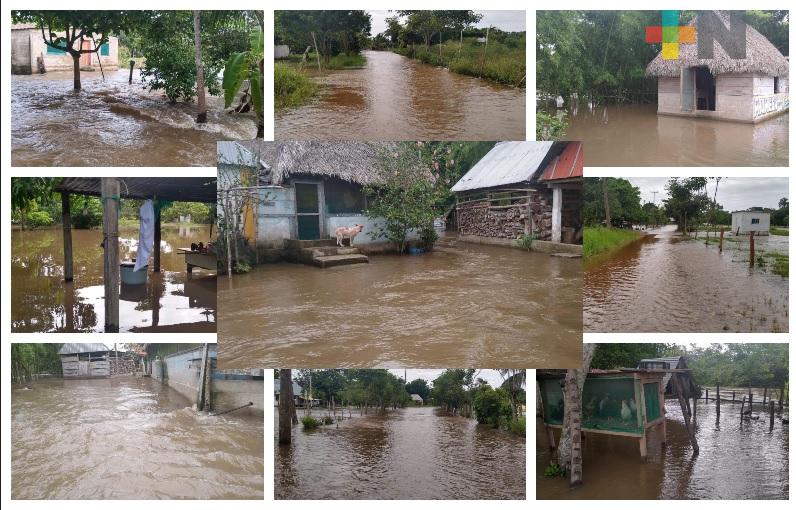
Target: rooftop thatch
x: 761, y: 57
x: 355, y: 162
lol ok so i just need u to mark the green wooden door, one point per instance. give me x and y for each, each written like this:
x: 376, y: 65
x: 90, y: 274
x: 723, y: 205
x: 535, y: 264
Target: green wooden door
x: 308, y: 213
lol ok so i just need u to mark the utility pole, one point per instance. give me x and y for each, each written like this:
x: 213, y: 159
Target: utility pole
x: 654, y: 193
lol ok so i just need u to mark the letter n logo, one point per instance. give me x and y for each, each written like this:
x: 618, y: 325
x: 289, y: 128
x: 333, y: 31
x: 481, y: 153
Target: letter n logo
x: 711, y: 28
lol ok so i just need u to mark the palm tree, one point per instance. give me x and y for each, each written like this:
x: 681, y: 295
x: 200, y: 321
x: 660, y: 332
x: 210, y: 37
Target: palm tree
x: 200, y: 72
x: 516, y: 379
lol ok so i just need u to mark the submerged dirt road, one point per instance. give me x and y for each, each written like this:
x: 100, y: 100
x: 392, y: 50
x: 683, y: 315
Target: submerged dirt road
x: 128, y: 438
x: 113, y: 123
x: 735, y: 461
x: 397, y: 98
x: 470, y: 305
x: 412, y: 453
x: 664, y: 283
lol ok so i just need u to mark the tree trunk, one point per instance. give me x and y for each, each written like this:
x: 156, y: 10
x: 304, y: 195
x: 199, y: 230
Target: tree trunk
x: 201, y: 118
x: 76, y: 70
x: 569, y: 448
x: 605, y: 202
x: 285, y: 403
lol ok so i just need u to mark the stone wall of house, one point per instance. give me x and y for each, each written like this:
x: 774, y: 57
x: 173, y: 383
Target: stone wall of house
x: 479, y: 219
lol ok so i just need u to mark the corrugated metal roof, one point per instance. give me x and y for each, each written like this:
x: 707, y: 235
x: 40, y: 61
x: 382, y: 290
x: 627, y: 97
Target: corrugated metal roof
x: 672, y: 361
x: 566, y: 166
x: 81, y: 348
x: 507, y: 163
x: 175, y: 189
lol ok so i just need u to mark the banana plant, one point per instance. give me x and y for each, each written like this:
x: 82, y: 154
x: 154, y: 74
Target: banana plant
x: 246, y: 68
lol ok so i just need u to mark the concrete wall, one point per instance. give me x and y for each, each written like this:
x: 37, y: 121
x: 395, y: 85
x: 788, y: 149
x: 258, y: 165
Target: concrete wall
x: 228, y: 393
x: 20, y: 52
x: 742, y: 97
x: 28, y: 45
x: 281, y: 51
x: 180, y: 371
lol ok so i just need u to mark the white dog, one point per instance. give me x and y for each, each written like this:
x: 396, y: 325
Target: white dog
x: 343, y: 232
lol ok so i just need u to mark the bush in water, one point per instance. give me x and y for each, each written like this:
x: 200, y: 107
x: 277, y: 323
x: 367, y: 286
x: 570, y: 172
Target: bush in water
x: 309, y: 423
x: 491, y: 406
x: 291, y: 87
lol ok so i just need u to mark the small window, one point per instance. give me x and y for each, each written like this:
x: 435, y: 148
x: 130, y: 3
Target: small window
x: 105, y: 50
x: 755, y: 221
x: 776, y: 85
x: 55, y: 51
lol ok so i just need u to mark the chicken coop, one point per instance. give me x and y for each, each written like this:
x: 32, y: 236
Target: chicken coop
x: 620, y: 403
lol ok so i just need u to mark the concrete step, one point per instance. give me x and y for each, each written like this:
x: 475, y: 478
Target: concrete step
x: 566, y: 255
x: 339, y: 260
x: 317, y: 243
x: 325, y: 251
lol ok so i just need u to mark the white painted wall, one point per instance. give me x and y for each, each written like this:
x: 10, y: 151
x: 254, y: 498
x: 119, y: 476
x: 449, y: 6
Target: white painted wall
x: 742, y: 222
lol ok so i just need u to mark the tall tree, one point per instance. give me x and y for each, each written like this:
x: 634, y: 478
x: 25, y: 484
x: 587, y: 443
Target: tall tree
x: 68, y: 30
x: 570, y: 455
x: 201, y: 104
x: 285, y: 406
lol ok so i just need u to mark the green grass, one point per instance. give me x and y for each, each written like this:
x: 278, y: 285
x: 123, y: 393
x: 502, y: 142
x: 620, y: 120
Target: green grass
x: 344, y: 61
x: 779, y: 261
x: 517, y: 426
x: 778, y: 231
x: 291, y: 87
x: 597, y: 240
x: 502, y: 63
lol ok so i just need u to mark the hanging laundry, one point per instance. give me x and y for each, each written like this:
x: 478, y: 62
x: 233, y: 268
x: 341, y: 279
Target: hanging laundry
x: 146, y: 235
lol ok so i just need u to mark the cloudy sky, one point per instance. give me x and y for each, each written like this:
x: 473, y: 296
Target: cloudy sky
x: 429, y: 374
x: 734, y: 193
x: 508, y: 21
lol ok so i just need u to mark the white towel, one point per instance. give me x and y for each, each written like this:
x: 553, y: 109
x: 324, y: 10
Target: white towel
x: 146, y: 235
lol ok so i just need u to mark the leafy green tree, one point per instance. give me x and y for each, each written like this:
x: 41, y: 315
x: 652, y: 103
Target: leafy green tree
x: 30, y: 360
x: 624, y: 202
x: 96, y: 26
x: 687, y: 200
x: 330, y: 32
x: 428, y: 23
x: 491, y: 406
x: 449, y: 390
x: 609, y: 356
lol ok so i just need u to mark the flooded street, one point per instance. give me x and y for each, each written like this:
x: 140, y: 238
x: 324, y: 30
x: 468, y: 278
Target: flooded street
x: 128, y: 438
x: 734, y: 462
x: 397, y: 98
x: 664, y: 283
x: 412, y: 453
x: 468, y: 305
x: 112, y: 123
x: 634, y: 135
x: 170, y: 300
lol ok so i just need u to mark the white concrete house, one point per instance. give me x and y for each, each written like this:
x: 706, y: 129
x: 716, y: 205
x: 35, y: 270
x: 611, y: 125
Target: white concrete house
x: 416, y: 399
x: 744, y: 222
x: 29, y: 53
x: 743, y: 90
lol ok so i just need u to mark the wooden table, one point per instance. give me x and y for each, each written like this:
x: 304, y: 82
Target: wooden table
x: 205, y: 260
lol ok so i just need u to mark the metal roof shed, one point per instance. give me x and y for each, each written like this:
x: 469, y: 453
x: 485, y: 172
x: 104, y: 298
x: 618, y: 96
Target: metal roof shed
x: 111, y: 190
x: 507, y: 163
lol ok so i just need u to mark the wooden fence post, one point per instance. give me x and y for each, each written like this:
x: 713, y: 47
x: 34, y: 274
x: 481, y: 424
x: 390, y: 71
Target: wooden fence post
x: 771, y: 416
x: 765, y: 394
x: 751, y: 249
x: 706, y: 395
x: 683, y: 398
x: 721, y: 240
x: 66, y: 223
x: 733, y: 397
x: 718, y: 402
x: 743, y: 404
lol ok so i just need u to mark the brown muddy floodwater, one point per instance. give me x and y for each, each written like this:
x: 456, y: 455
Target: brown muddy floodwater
x: 397, y: 98
x: 412, y: 453
x: 735, y: 461
x: 113, y: 123
x: 469, y: 305
x: 170, y: 301
x: 128, y: 438
x: 635, y: 135
x: 665, y: 283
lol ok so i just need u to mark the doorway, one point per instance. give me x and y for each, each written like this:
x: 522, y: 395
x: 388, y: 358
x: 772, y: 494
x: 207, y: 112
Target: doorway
x: 308, y: 211
x: 705, y: 85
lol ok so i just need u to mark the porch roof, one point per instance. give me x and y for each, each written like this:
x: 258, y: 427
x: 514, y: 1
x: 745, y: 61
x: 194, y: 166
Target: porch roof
x: 173, y: 189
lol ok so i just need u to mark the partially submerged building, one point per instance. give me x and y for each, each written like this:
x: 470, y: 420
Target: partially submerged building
x: 523, y: 188
x: 746, y: 222
x: 746, y: 90
x: 30, y: 54
x: 97, y: 360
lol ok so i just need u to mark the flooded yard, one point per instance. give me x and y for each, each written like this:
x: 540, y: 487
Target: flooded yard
x: 397, y: 98
x: 128, y: 438
x: 412, y: 453
x: 113, y: 123
x: 735, y: 461
x: 635, y: 135
x: 170, y: 300
x: 666, y: 283
x: 464, y: 305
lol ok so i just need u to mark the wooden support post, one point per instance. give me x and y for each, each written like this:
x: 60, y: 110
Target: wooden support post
x: 110, y: 236
x: 765, y: 394
x: 718, y: 401
x: 642, y: 446
x: 743, y: 405
x: 751, y: 249
x: 706, y: 395
x: 721, y: 240
x: 751, y: 398
x: 680, y: 386
x: 733, y: 397
x: 696, y: 399
x: 771, y: 416
x: 156, y: 254
x: 66, y: 221
x: 781, y: 393
x: 551, y: 437
x: 203, y: 374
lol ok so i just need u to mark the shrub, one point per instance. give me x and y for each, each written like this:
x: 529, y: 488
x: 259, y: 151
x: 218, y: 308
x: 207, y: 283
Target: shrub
x: 171, y: 67
x: 554, y: 470
x: 291, y: 87
x: 37, y: 219
x: 491, y: 406
x: 309, y: 423
x: 526, y: 242
x: 517, y: 426
x: 549, y: 127
x: 343, y: 61
x: 327, y: 420
x: 429, y: 236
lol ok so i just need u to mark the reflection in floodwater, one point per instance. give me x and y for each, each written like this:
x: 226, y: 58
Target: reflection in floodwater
x: 170, y: 300
x: 468, y: 305
x: 113, y: 123
x: 128, y: 438
x: 666, y: 283
x: 635, y: 135
x: 412, y: 453
x: 397, y: 98
x: 735, y: 461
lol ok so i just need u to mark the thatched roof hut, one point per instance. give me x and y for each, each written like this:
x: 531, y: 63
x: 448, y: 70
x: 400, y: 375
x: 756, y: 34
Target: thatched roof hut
x: 750, y: 89
x: 353, y: 162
